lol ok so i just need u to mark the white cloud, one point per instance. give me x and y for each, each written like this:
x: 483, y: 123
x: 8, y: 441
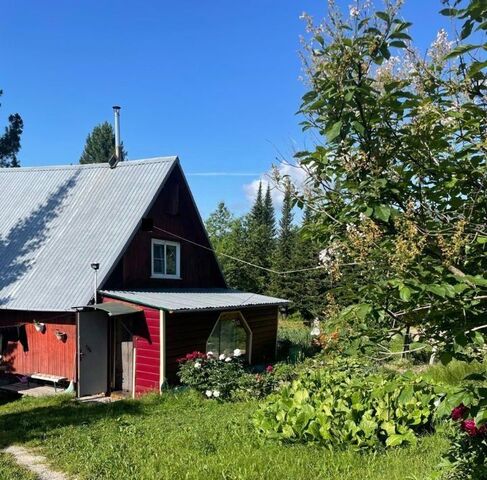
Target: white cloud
x: 296, y: 174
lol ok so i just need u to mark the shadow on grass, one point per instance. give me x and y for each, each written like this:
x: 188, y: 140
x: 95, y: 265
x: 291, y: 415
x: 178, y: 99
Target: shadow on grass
x: 24, y: 424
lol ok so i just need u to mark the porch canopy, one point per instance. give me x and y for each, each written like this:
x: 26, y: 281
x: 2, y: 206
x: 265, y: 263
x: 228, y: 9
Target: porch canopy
x: 193, y: 299
x: 113, y: 309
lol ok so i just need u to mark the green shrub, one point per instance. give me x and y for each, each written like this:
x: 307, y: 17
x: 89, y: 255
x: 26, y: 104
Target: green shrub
x: 346, y: 403
x: 226, y: 377
x: 215, y: 377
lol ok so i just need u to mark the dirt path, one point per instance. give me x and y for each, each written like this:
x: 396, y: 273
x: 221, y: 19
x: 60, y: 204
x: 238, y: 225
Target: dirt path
x: 37, y: 464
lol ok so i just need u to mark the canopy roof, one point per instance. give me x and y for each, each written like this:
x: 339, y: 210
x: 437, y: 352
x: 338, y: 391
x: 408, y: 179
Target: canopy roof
x: 187, y: 300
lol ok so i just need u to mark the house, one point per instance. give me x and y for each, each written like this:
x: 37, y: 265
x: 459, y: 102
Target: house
x: 107, y: 277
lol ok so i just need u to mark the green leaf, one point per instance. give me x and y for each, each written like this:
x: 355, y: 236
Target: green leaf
x: 437, y: 290
x: 476, y: 67
x: 449, y: 12
x: 359, y: 127
x: 461, y: 49
x: 395, y: 440
x: 334, y: 131
x: 481, y: 240
x: 398, y: 44
x: 383, y: 16
x: 481, y: 417
x: 382, y: 213
x: 405, y: 293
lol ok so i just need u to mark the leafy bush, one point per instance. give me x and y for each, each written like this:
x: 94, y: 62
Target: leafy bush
x: 225, y: 377
x: 346, y: 403
x: 215, y: 377
x: 466, y: 458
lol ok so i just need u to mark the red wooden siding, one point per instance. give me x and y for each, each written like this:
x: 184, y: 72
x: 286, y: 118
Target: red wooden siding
x: 147, y: 360
x: 46, y: 354
x: 173, y: 211
x: 147, y: 343
x: 186, y: 332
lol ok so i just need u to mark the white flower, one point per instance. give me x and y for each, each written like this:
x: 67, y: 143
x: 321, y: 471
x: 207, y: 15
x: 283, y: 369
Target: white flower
x: 216, y: 393
x: 209, y: 354
x: 315, y: 332
x: 354, y: 11
x: 222, y: 356
x: 228, y: 359
x: 208, y: 393
x: 440, y: 47
x: 197, y: 365
x: 237, y: 352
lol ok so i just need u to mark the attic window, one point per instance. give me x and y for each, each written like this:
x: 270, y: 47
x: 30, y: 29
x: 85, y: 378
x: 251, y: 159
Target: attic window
x: 166, y: 259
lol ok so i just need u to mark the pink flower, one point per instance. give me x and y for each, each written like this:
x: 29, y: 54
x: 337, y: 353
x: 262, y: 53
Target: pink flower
x: 459, y: 412
x: 269, y: 368
x: 471, y: 429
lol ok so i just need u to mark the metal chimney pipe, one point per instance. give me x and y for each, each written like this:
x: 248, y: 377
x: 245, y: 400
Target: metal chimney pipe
x: 118, y: 150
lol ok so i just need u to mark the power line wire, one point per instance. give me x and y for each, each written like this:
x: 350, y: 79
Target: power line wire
x: 260, y: 267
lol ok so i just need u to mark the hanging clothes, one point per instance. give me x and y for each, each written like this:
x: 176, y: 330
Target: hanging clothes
x: 13, y: 334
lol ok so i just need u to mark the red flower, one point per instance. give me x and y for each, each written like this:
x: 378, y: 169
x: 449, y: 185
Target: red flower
x: 192, y: 356
x: 459, y: 412
x: 269, y: 368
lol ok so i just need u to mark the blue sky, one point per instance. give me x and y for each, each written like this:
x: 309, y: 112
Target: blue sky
x: 213, y: 81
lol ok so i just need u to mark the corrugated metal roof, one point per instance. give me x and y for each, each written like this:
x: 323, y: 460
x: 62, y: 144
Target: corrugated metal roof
x: 55, y: 221
x: 193, y: 299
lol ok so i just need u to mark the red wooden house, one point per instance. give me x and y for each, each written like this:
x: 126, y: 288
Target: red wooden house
x: 133, y: 235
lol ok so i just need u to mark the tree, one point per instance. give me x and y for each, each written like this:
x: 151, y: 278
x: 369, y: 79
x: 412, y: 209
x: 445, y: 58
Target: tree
x: 284, y: 258
x: 219, y: 224
x: 398, y: 185
x: 259, y: 226
x: 100, y: 145
x: 10, y: 141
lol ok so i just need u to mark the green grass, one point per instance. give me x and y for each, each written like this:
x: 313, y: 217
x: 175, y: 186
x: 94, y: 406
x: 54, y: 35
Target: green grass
x: 184, y: 436
x: 454, y: 372
x: 9, y: 470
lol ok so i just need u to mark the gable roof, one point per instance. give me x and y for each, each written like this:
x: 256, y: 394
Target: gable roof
x: 56, y: 221
x: 194, y: 299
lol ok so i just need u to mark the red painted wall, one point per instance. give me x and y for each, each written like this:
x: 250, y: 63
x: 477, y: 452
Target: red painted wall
x: 147, y: 360
x: 147, y: 344
x: 45, y: 354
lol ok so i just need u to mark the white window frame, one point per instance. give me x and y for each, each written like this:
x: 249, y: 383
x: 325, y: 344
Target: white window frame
x: 177, y: 276
x: 245, y: 326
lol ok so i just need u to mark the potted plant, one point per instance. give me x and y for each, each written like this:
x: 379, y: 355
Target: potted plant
x: 40, y: 327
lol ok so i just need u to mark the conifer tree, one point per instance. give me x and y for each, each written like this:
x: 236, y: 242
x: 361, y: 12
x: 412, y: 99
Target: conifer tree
x: 10, y: 141
x: 285, y: 251
x: 100, y: 145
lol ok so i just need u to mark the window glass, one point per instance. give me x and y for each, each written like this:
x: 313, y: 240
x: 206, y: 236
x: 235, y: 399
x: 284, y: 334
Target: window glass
x: 228, y: 334
x: 171, y: 260
x: 165, y: 258
x: 159, y: 258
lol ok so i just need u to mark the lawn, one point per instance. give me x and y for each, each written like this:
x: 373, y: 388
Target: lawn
x: 9, y: 470
x: 183, y: 436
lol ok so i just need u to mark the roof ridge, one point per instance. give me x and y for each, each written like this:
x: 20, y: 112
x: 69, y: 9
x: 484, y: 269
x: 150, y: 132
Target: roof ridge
x: 88, y: 166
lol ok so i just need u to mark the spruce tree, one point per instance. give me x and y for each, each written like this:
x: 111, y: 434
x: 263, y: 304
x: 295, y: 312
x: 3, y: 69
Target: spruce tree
x: 100, y: 145
x: 284, y: 286
x: 257, y: 211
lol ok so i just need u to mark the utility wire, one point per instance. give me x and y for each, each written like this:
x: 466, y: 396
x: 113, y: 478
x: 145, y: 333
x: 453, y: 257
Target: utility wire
x: 270, y: 270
